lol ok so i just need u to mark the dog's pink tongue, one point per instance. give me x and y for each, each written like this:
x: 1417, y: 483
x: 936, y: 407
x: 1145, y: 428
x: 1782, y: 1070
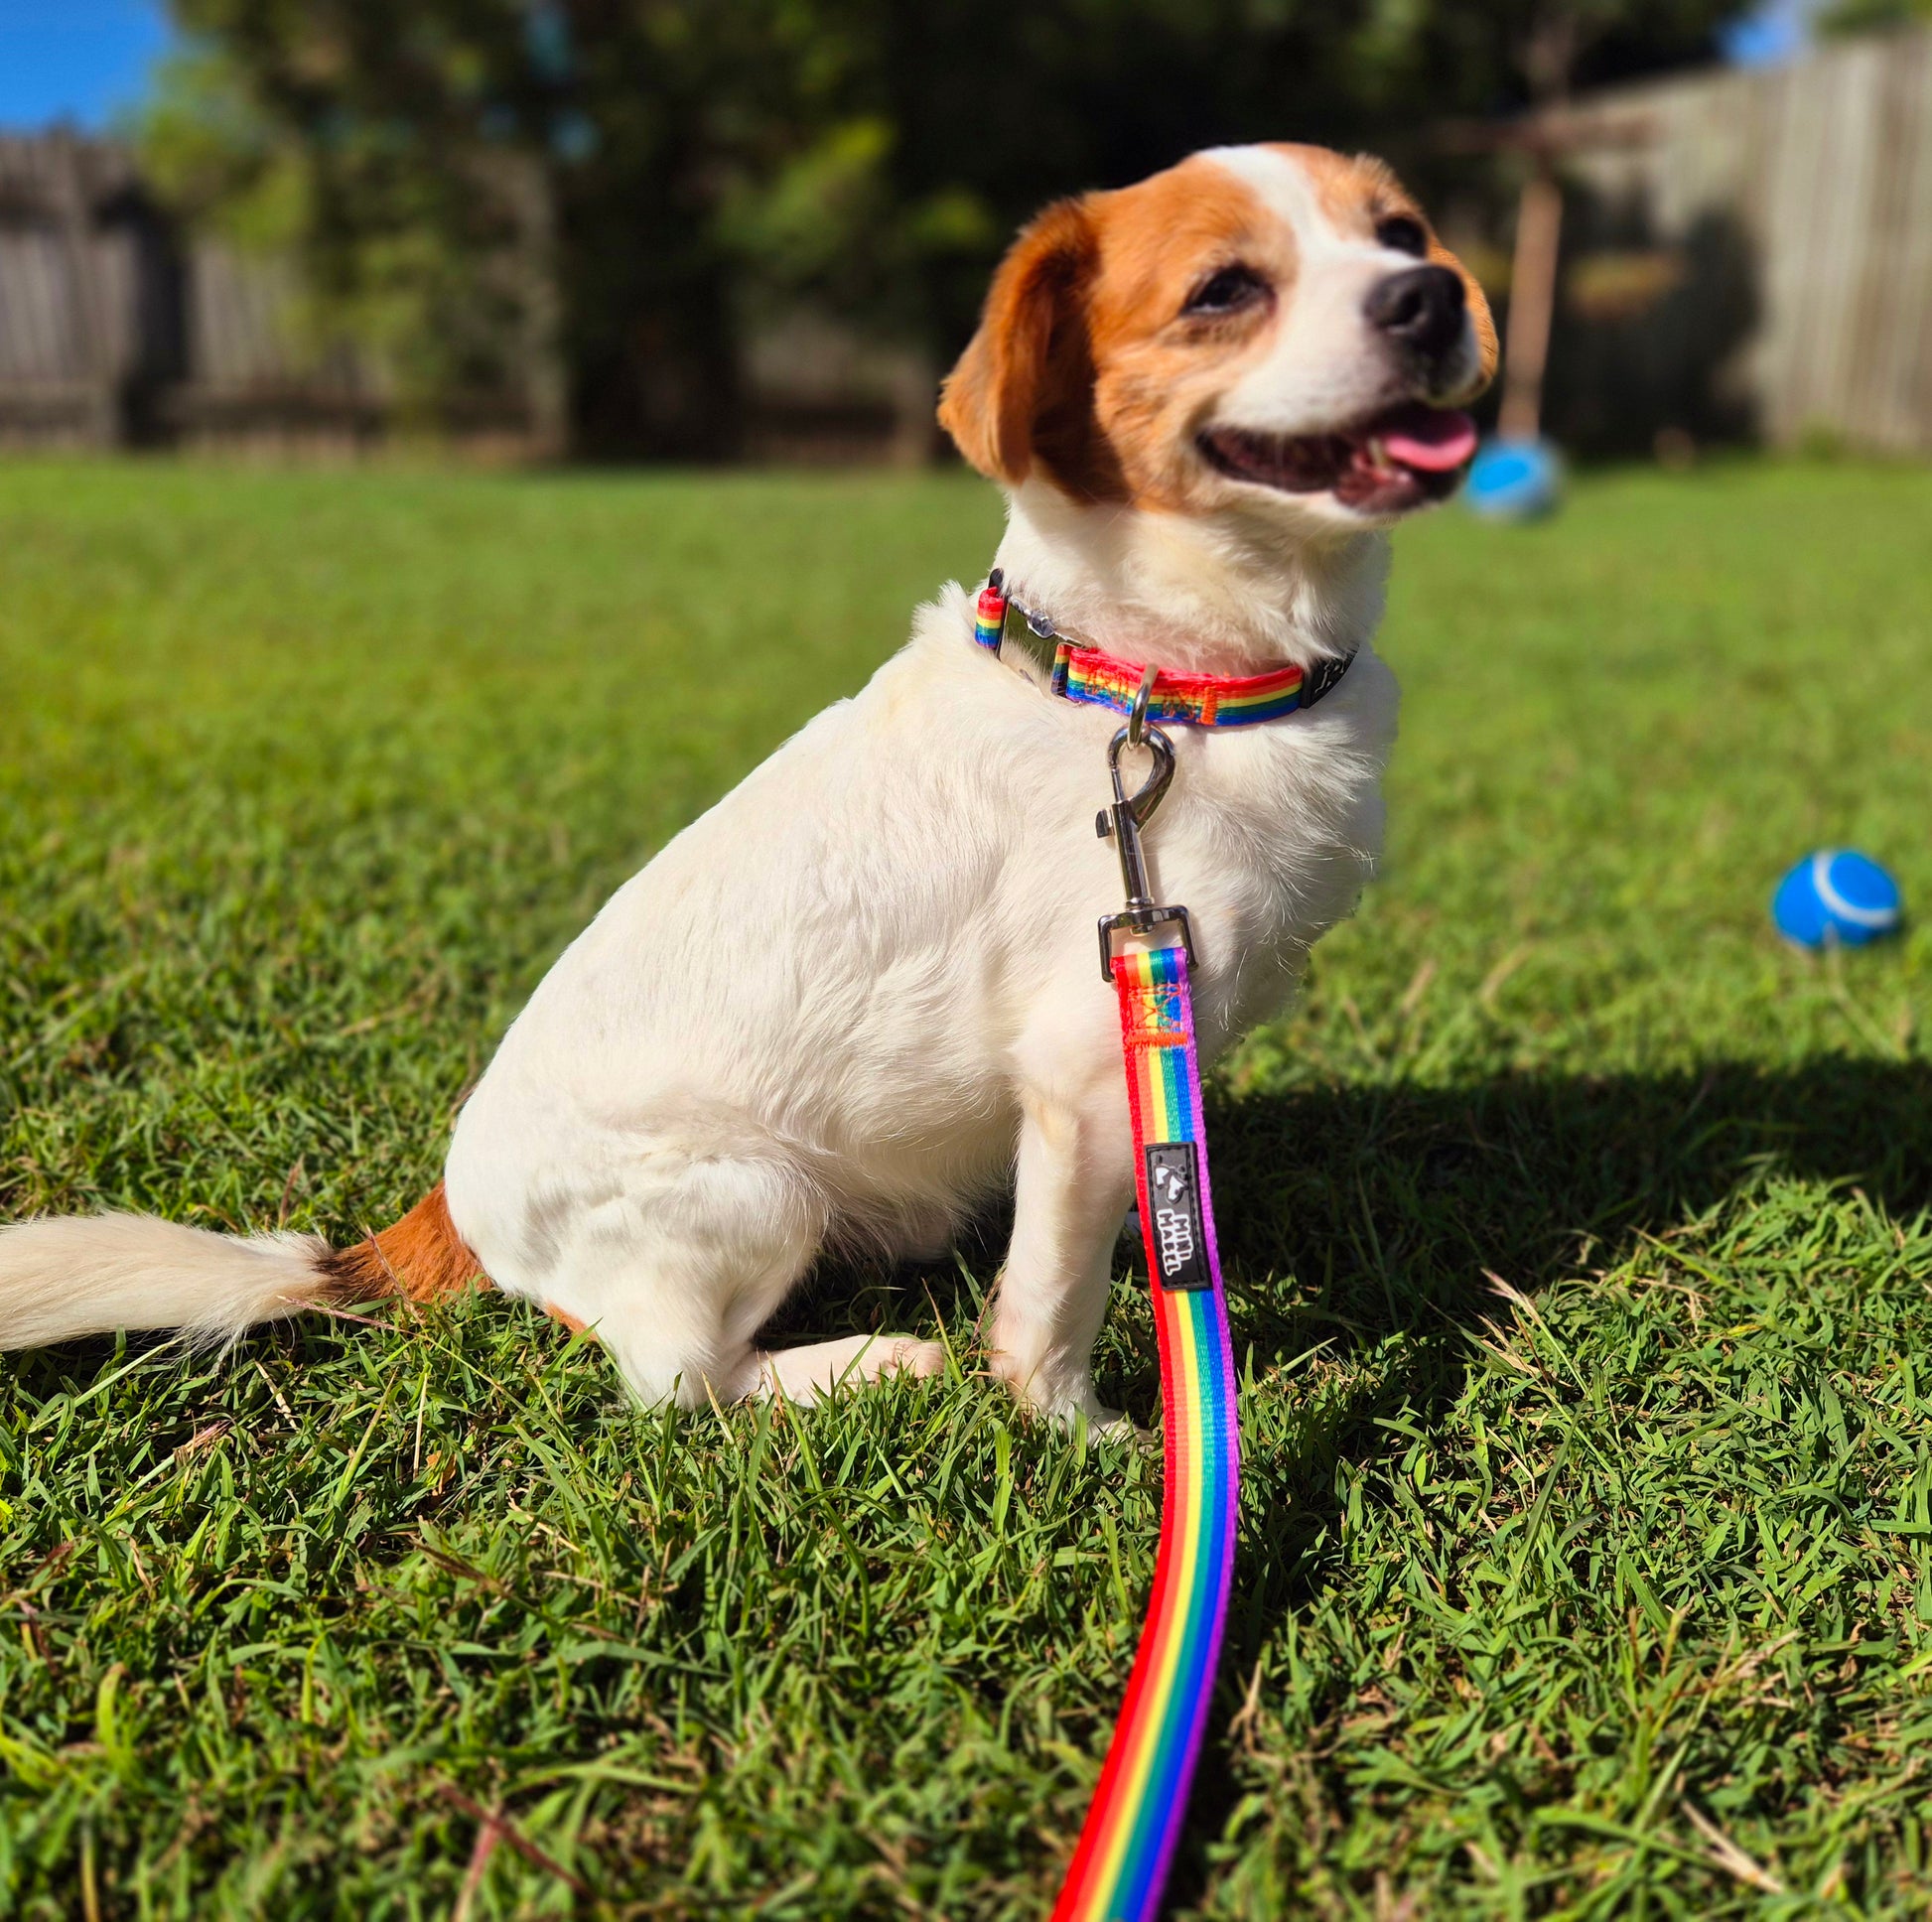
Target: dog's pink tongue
x: 1433, y: 439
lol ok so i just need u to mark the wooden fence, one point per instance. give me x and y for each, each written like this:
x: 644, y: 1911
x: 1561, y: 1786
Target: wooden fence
x: 117, y: 330
x: 70, y: 337
x: 1791, y: 212
x: 1745, y: 254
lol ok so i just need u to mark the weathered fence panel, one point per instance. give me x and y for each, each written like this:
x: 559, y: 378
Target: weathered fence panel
x: 68, y: 330
x: 115, y: 327
x: 255, y: 373
x: 1821, y: 174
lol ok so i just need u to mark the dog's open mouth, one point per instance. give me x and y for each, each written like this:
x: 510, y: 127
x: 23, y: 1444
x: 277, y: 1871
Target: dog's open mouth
x: 1395, y: 461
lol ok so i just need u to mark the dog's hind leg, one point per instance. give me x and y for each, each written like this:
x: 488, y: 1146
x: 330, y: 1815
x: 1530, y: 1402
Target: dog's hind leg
x: 679, y: 1350
x: 672, y: 1257
x: 678, y: 1270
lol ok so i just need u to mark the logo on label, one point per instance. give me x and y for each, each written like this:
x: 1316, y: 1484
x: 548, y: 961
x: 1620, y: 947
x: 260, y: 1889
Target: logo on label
x: 1177, y: 1240
x: 1174, y: 1198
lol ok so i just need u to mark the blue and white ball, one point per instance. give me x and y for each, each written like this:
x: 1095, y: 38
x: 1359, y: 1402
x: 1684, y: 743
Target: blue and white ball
x: 1837, y: 899
x: 1514, y: 480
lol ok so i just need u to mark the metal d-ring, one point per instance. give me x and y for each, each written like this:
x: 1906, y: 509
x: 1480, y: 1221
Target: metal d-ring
x: 1137, y: 714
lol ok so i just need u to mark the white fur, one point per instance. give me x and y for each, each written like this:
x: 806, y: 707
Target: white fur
x: 1249, y: 588
x: 93, y: 1273
x: 1323, y: 369
x: 858, y: 993
x: 862, y: 992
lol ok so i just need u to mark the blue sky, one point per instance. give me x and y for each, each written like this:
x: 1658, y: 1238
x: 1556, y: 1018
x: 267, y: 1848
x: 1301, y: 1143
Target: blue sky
x: 85, y: 60
x: 75, y: 60
x: 1774, y: 32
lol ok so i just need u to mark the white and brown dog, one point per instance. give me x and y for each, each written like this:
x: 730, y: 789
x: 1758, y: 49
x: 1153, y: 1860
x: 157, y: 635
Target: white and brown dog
x: 860, y: 993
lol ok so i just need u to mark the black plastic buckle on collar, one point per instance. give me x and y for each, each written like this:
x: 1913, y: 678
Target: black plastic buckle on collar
x: 1323, y: 677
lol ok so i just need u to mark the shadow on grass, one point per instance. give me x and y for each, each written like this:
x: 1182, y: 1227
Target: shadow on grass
x: 1353, y: 1212
x: 1387, y: 1205
x: 1348, y: 1214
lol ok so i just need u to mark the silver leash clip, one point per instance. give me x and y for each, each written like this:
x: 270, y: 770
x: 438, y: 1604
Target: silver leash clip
x: 1125, y: 819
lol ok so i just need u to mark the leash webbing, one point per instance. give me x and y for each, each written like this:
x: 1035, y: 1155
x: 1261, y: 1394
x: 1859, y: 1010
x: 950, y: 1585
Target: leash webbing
x: 1121, y: 1865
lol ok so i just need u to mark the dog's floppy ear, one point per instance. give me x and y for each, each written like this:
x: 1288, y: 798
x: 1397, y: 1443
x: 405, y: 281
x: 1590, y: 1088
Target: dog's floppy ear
x: 1030, y: 358
x: 1479, y: 315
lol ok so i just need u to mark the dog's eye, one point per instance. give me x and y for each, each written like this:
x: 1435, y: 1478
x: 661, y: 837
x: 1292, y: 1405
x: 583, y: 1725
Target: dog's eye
x: 1225, y: 291
x: 1403, y: 235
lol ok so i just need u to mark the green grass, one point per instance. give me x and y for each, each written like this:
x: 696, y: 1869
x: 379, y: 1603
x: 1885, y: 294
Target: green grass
x: 1609, y: 1595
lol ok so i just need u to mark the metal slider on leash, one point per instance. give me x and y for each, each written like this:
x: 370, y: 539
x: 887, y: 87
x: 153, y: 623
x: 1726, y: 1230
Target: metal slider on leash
x: 1125, y: 819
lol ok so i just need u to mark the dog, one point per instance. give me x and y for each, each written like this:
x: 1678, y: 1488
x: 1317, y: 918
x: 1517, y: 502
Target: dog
x: 858, y: 997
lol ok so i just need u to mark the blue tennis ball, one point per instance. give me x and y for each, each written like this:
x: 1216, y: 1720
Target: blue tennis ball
x: 1835, y: 898
x: 1514, y: 480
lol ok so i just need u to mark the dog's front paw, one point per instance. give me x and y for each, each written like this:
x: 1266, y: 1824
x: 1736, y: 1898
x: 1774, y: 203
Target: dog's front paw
x: 1103, y: 1423
x: 1116, y: 1425
x: 905, y: 1356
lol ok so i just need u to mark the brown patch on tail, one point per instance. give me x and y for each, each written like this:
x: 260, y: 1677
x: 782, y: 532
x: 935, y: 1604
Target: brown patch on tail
x: 421, y: 1257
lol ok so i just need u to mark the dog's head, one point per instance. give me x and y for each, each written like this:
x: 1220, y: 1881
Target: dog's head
x: 1260, y: 329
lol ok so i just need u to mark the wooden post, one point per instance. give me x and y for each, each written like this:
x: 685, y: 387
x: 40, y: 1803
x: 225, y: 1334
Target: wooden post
x: 1532, y: 303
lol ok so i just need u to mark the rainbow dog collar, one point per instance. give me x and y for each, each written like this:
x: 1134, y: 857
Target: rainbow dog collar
x: 1103, y: 680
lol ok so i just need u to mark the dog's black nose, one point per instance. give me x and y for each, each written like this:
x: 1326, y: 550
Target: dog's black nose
x: 1421, y: 308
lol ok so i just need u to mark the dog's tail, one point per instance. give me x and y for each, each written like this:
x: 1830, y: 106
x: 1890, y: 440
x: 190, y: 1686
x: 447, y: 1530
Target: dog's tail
x: 93, y: 1273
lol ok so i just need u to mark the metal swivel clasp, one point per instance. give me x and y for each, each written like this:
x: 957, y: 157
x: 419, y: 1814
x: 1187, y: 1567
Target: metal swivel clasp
x: 1125, y: 819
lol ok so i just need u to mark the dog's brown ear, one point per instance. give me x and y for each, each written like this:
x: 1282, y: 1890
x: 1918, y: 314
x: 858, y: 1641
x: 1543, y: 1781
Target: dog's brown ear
x: 1479, y: 314
x: 1031, y: 349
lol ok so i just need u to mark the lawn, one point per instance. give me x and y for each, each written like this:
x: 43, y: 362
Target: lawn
x: 1577, y: 1237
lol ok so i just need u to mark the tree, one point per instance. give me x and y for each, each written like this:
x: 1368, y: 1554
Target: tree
x: 414, y: 148
x: 409, y: 259
x: 980, y: 110
x: 694, y: 158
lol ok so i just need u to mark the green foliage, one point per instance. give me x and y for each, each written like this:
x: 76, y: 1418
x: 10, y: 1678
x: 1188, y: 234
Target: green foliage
x: 355, y: 140
x: 976, y: 112
x: 219, y: 160
x: 676, y: 165
x: 1844, y: 17
x: 1608, y: 1597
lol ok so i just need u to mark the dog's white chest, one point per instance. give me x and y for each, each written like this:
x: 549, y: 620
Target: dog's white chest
x: 882, y: 944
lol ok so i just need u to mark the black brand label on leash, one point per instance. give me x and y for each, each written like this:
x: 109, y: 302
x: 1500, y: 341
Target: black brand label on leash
x: 1173, y: 1195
